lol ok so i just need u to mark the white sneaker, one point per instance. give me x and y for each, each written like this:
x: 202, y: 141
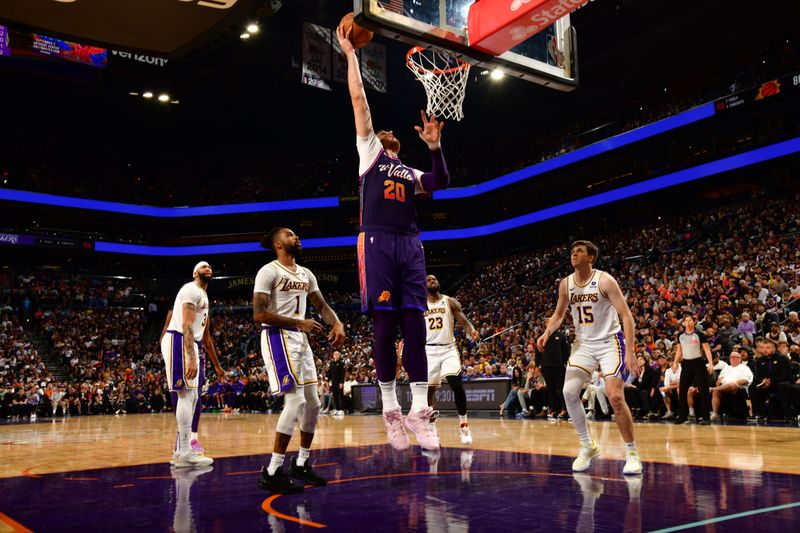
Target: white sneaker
x: 669, y: 415
x: 465, y: 434
x: 174, y: 458
x: 633, y: 465
x: 715, y: 417
x: 585, y: 456
x: 190, y: 459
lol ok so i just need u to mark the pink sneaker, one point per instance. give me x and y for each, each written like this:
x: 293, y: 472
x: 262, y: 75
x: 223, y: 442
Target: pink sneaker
x: 196, y: 446
x: 398, y: 437
x: 420, y: 423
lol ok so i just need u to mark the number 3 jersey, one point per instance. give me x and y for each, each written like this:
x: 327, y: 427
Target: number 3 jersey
x: 190, y: 293
x: 387, y: 189
x: 439, y: 322
x: 287, y: 290
x: 593, y: 316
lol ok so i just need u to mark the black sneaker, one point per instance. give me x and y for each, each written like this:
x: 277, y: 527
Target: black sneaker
x: 306, y: 473
x: 278, y: 483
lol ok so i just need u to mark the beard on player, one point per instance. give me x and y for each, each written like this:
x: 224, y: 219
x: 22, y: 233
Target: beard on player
x: 432, y: 284
x: 205, y: 276
x: 389, y: 141
x: 294, y: 249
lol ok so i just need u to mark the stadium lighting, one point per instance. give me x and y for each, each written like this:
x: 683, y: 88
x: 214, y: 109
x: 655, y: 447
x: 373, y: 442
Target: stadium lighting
x: 147, y: 94
x: 163, y: 97
x: 497, y: 74
x: 252, y: 28
x: 133, y: 93
x: 244, y: 36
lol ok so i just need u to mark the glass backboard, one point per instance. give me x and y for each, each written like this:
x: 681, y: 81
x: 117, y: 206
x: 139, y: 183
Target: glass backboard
x: 548, y: 58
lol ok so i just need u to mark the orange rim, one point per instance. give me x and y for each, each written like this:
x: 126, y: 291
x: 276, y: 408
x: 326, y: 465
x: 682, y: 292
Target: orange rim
x: 463, y: 64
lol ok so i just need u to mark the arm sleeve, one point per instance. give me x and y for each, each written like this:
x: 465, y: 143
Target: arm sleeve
x: 369, y: 148
x: 265, y: 280
x: 439, y: 177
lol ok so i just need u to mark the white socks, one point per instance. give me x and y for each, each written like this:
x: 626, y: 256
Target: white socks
x: 184, y: 412
x: 194, y: 435
x: 275, y: 463
x: 419, y: 396
x: 462, y: 419
x: 389, y: 395
x: 302, y: 455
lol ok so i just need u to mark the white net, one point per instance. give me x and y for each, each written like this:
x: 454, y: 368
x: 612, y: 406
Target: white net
x: 444, y: 77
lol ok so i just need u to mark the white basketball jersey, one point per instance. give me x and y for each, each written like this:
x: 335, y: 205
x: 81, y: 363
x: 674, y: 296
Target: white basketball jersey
x: 593, y: 316
x: 287, y: 290
x: 190, y: 293
x: 439, y: 321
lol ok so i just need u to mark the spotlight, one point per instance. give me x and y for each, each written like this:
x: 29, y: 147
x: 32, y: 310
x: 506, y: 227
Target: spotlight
x: 147, y: 94
x: 252, y: 28
x: 244, y: 36
x: 163, y: 97
x: 497, y: 74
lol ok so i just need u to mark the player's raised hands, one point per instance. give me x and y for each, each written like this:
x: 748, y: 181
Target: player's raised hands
x: 430, y: 131
x: 336, y: 335
x: 344, y: 39
x: 310, y: 326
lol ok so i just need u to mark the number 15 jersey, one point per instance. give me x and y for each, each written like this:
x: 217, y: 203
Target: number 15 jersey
x: 593, y: 315
x: 387, y: 189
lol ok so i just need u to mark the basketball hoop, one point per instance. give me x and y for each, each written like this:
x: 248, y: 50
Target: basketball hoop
x: 444, y: 77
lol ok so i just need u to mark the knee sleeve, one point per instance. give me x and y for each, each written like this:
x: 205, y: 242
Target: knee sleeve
x: 459, y: 394
x: 185, y: 408
x: 310, y: 415
x: 293, y: 404
x: 573, y: 384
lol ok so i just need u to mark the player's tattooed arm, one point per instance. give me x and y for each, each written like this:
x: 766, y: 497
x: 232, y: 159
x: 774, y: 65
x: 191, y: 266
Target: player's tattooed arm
x: 458, y: 312
x: 262, y: 315
x: 336, y: 336
x: 189, y: 311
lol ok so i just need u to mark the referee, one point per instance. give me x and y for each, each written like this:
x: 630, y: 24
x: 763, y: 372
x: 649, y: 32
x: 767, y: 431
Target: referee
x: 553, y: 362
x: 694, y: 370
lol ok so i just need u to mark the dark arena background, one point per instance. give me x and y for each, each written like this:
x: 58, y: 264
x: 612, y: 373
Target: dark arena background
x: 139, y: 139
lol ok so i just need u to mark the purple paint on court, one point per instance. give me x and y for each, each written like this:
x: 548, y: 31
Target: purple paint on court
x: 375, y: 488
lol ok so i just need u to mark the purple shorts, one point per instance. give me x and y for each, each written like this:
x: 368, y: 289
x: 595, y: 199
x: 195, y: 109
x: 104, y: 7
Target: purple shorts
x: 391, y: 271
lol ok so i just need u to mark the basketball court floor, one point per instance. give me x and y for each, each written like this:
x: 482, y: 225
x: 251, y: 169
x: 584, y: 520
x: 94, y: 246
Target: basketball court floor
x: 110, y: 473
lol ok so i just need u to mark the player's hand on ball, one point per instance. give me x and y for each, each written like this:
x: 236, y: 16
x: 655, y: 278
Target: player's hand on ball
x: 310, y: 326
x: 336, y: 336
x: 344, y: 40
x: 632, y: 363
x: 430, y: 131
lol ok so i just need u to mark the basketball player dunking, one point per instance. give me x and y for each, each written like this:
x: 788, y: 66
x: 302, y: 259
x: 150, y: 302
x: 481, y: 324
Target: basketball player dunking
x: 443, y: 359
x: 390, y: 256
x: 279, y: 306
x: 180, y: 346
x: 597, y: 304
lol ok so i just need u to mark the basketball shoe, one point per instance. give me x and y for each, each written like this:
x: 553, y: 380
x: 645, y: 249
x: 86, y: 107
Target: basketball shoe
x: 191, y: 458
x: 398, y: 437
x: 633, y: 465
x: 465, y: 434
x: 419, y: 423
x: 585, y: 456
x: 279, y: 482
x: 306, y: 473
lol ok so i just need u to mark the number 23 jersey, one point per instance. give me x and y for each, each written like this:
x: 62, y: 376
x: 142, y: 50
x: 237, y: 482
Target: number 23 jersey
x: 387, y: 189
x: 593, y: 315
x: 288, y: 291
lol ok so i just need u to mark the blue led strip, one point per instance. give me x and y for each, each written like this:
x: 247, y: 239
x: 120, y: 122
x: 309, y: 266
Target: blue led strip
x: 662, y: 182
x: 601, y: 147
x: 166, y: 212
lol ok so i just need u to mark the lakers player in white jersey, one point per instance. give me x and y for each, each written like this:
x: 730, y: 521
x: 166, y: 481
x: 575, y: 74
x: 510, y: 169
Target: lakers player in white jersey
x: 180, y: 346
x: 597, y: 304
x: 282, y: 288
x: 440, y: 347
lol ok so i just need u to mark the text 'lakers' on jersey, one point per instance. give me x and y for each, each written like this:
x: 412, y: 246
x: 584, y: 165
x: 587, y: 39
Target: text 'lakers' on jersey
x: 190, y: 293
x: 593, y: 316
x: 387, y: 190
x: 439, y: 321
x: 288, y: 291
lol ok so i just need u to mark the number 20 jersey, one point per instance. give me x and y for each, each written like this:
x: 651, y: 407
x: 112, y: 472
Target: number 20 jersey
x: 593, y: 316
x: 387, y: 189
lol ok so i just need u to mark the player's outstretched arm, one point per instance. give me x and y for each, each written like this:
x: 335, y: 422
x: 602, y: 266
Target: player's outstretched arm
x: 431, y: 134
x: 356, y: 85
x: 610, y: 287
x: 558, y: 315
x: 262, y: 315
x: 458, y: 312
x: 336, y: 336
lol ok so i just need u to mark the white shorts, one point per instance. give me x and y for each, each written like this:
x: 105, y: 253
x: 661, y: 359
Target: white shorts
x: 608, y: 354
x: 443, y: 361
x: 288, y: 358
x: 176, y: 359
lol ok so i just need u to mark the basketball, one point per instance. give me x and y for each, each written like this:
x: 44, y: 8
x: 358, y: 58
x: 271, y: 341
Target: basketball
x: 360, y: 37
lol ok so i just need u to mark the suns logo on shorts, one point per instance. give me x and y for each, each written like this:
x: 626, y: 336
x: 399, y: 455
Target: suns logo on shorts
x: 285, y: 380
x: 179, y: 383
x: 384, y: 297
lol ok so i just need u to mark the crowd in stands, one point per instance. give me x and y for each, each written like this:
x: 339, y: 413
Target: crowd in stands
x: 35, y: 291
x: 734, y: 268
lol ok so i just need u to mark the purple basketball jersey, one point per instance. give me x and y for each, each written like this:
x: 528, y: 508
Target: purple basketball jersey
x: 387, y: 193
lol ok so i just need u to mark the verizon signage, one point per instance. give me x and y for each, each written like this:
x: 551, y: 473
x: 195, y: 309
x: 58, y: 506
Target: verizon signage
x: 497, y: 26
x: 161, y: 27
